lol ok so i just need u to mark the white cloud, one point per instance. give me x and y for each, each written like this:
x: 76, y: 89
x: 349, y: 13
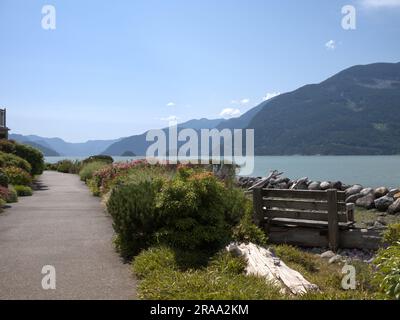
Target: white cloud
x: 271, y: 95
x: 170, y: 119
x: 170, y: 104
x: 230, y: 113
x: 244, y: 101
x: 380, y: 3
x: 331, y: 45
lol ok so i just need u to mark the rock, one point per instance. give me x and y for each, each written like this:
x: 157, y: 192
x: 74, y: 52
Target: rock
x: 383, y: 203
x: 367, y: 201
x: 336, y: 258
x: 394, y: 207
x: 353, y: 190
x: 378, y: 226
x: 392, y: 192
x: 396, y: 196
x: 327, y: 254
x: 367, y: 191
x: 337, y: 185
x: 325, y: 185
x: 353, y: 198
x: 344, y: 187
x: 380, y: 192
x: 315, y: 185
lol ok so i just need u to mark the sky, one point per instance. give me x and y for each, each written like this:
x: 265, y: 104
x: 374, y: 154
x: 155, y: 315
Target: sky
x: 112, y: 69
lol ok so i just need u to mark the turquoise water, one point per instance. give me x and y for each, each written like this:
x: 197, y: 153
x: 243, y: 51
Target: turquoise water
x: 371, y: 171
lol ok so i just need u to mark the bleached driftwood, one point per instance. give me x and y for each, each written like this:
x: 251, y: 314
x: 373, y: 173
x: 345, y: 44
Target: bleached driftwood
x: 263, y: 262
x: 264, y: 181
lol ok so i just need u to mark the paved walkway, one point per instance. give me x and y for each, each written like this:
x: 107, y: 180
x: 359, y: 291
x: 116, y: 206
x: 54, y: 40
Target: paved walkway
x: 64, y: 226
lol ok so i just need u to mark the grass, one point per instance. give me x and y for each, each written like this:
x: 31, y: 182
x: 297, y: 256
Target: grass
x: 364, y: 217
x: 163, y: 276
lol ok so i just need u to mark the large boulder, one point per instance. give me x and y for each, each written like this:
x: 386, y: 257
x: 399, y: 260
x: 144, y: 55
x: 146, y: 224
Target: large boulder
x: 315, y: 185
x: 367, y: 201
x: 353, y: 190
x: 337, y: 185
x: 353, y: 198
x: 383, y: 203
x: 392, y: 192
x: 367, y: 191
x: 381, y: 192
x: 396, y: 196
x: 394, y: 207
x: 325, y: 185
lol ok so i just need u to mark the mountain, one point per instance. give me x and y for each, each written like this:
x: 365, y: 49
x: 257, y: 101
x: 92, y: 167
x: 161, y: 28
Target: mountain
x: 138, y: 144
x: 91, y: 147
x: 47, y: 152
x: 355, y: 112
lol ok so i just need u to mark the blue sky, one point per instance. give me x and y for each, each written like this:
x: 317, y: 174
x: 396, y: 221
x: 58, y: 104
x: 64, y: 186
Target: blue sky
x: 117, y: 68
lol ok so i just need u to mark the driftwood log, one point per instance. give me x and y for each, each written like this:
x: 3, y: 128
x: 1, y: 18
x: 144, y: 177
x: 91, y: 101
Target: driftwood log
x: 263, y: 262
x: 264, y: 181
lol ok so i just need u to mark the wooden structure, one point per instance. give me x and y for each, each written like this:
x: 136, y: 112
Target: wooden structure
x: 310, y: 218
x: 3, y: 124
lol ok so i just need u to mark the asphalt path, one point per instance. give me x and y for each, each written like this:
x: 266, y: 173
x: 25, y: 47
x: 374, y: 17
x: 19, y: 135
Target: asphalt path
x: 62, y: 226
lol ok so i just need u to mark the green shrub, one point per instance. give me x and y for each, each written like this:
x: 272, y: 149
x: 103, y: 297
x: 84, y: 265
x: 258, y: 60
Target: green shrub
x: 392, y: 234
x: 135, y: 217
x: 50, y: 166
x: 246, y: 231
x: 3, y: 179
x: 11, y: 160
x: 68, y: 166
x: 193, y: 211
x: 2, y: 204
x: 32, y: 155
x: 8, y: 194
x: 89, y: 169
x: 7, y: 146
x: 23, y: 191
x: 387, y: 275
x: 98, y: 158
x: 12, y: 195
x: 18, y: 176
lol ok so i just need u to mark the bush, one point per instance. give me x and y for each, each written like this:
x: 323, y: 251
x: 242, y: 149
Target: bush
x: 3, y: 179
x: 387, y: 275
x: 68, y: 166
x: 8, y: 194
x: 98, y: 158
x: 17, y: 176
x: 7, y: 146
x: 246, y: 231
x: 32, y: 155
x: 135, y: 218
x: 193, y: 211
x: 11, y: 160
x: 89, y: 169
x: 12, y: 195
x: 392, y: 234
x: 23, y: 191
x: 2, y: 204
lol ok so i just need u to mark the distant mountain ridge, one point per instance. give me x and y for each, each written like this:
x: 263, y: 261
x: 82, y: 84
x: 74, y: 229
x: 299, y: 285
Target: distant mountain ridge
x: 63, y: 148
x: 354, y: 112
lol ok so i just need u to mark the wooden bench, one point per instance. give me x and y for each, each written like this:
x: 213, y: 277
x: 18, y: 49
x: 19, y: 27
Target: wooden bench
x: 304, y: 208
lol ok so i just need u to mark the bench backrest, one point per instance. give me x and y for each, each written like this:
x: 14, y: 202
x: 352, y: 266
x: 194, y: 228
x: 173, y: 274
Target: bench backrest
x: 328, y: 207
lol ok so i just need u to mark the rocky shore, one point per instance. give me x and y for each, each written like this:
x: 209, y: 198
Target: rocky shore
x: 383, y: 199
